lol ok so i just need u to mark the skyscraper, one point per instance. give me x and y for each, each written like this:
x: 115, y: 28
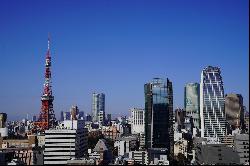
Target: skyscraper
x: 109, y: 118
x: 234, y: 110
x: 74, y: 111
x: 212, y: 112
x: 192, y: 102
x: 98, y: 107
x: 3, y: 118
x: 159, y: 135
x: 180, y: 115
x: 61, y: 116
x: 3, y: 128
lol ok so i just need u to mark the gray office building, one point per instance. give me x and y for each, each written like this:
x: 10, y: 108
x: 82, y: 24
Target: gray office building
x: 192, y: 102
x: 241, y: 145
x: 159, y: 134
x: 216, y: 154
x: 98, y: 107
x: 234, y: 110
x: 212, y: 112
x: 180, y: 115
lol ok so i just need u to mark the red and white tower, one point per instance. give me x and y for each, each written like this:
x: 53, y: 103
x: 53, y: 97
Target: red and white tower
x: 46, y: 118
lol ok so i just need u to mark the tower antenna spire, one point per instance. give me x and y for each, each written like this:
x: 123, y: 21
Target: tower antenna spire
x: 48, y: 41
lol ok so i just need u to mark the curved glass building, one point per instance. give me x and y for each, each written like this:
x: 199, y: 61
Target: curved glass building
x: 212, y: 109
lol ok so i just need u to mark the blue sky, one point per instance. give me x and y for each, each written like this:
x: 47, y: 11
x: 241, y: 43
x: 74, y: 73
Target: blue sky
x: 115, y: 47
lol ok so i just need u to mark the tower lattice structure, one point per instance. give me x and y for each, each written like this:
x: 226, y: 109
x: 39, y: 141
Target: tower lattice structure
x: 46, y: 119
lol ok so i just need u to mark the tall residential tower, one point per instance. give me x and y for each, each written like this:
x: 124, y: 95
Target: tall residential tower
x: 98, y: 107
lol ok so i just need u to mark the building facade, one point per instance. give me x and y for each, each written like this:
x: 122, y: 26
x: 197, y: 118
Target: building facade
x: 159, y: 133
x: 241, y: 145
x: 140, y: 157
x: 126, y: 144
x: 3, y: 128
x: 180, y: 115
x: 74, y: 113
x: 66, y: 116
x: 137, y: 120
x: 246, y: 123
x: 216, y: 154
x: 98, y: 107
x: 67, y: 141
x: 234, y: 110
x: 212, y: 112
x: 192, y: 102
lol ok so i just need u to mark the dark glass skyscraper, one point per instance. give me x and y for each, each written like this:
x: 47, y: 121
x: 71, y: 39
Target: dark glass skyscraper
x: 159, y: 116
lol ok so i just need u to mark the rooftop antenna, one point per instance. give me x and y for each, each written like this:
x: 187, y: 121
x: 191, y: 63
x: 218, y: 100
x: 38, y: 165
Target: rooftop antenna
x: 48, y: 41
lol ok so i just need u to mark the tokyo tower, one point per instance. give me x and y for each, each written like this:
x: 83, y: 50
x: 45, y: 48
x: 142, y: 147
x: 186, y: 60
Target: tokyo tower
x: 46, y: 119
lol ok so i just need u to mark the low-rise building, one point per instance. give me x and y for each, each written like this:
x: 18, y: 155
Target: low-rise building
x: 228, y: 140
x: 246, y: 121
x: 180, y: 146
x: 137, y: 120
x: 241, y: 145
x: 140, y: 157
x: 19, y: 143
x: 41, y: 140
x: 101, y: 153
x: 126, y: 144
x: 215, y: 154
x: 82, y: 161
x: 142, y: 141
x: 111, y: 132
x: 65, y: 142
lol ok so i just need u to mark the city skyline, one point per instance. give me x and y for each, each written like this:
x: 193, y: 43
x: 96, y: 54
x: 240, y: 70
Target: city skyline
x: 116, y: 49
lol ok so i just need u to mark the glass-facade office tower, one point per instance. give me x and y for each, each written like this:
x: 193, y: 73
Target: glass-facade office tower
x: 212, y: 112
x: 159, y: 134
x: 192, y: 102
x: 98, y: 107
x: 234, y: 110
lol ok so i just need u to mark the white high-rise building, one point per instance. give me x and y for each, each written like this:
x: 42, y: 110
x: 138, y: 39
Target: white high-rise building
x: 98, y: 107
x: 67, y: 141
x: 212, y: 112
x: 137, y: 120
